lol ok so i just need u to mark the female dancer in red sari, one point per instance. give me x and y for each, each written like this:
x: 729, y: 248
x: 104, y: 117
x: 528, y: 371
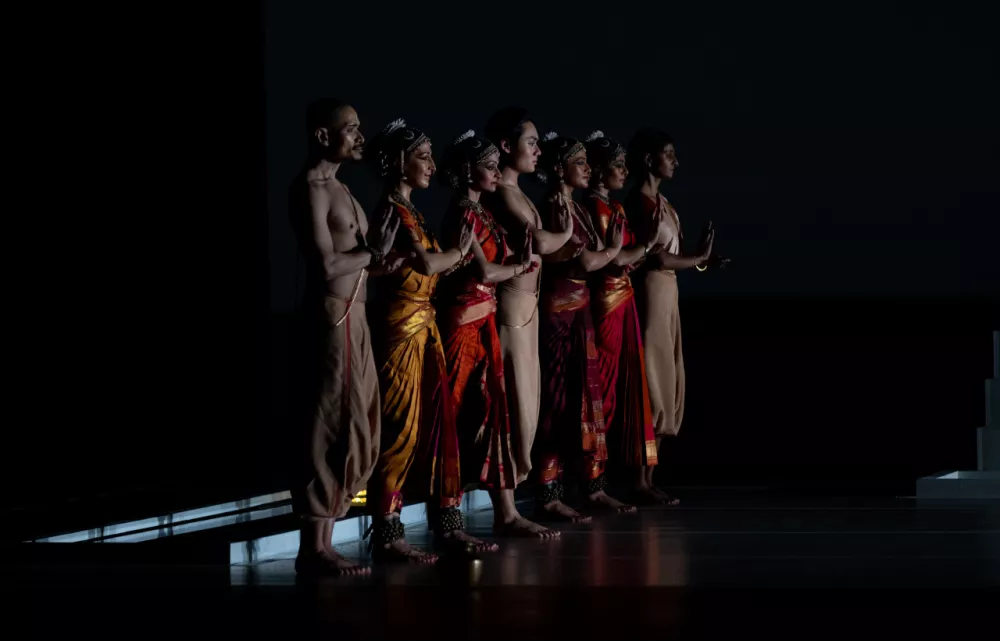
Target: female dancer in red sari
x: 627, y: 413
x: 571, y: 427
x: 653, y: 159
x: 419, y: 445
x: 472, y: 346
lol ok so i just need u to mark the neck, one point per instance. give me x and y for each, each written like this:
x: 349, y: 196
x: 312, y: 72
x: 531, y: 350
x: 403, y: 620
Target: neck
x: 404, y: 189
x: 601, y: 189
x: 565, y: 190
x: 472, y: 194
x: 510, y: 175
x: 651, y: 185
x: 327, y: 168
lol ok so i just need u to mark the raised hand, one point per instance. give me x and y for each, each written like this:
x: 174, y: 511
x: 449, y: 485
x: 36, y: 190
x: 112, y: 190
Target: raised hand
x: 387, y: 234
x: 527, y: 244
x: 564, y: 217
x: 617, y: 234
x: 707, y: 241
x: 658, y: 236
x: 465, y: 238
x: 395, y: 260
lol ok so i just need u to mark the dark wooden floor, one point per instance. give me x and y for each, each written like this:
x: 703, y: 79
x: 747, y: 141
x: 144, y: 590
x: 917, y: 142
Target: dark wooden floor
x: 718, y: 566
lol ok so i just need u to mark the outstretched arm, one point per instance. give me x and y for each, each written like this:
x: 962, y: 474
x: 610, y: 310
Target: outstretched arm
x: 492, y: 273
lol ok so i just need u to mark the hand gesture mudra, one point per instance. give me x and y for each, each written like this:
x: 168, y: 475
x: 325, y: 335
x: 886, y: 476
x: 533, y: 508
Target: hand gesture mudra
x: 465, y: 238
x: 617, y: 234
x: 387, y: 233
x: 707, y: 241
x: 564, y: 215
x: 659, y: 236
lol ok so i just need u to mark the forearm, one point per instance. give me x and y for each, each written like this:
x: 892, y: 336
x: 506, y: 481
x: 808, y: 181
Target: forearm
x: 630, y: 256
x: 592, y: 261
x: 547, y: 242
x: 493, y: 273
x: 675, y: 262
x: 428, y: 263
x: 338, y: 264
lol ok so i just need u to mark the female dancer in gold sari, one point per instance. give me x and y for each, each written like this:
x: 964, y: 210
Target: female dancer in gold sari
x: 419, y: 435
x: 653, y: 160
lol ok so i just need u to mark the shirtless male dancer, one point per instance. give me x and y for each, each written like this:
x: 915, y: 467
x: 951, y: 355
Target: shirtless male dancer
x: 344, y: 429
x: 512, y: 131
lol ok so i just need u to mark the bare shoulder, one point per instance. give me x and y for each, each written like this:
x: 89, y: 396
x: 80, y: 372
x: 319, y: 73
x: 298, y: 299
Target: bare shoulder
x: 513, y: 203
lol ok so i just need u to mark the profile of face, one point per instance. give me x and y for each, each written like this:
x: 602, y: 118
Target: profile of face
x: 418, y: 166
x: 486, y: 174
x: 524, y: 156
x: 575, y: 172
x: 614, y: 175
x: 342, y: 139
x: 664, y: 164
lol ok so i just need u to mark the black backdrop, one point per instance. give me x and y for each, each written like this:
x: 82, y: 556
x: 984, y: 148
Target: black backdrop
x: 848, y: 160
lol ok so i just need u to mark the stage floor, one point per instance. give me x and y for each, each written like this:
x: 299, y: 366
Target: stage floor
x: 722, y: 564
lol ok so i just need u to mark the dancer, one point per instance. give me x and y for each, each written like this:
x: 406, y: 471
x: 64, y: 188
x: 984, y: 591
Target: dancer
x: 344, y: 435
x: 475, y: 364
x: 653, y: 159
x: 627, y: 413
x: 571, y: 426
x: 419, y: 437
x: 515, y: 136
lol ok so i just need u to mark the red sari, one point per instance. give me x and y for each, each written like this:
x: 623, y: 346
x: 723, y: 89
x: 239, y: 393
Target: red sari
x: 472, y: 351
x: 571, y: 425
x: 627, y: 413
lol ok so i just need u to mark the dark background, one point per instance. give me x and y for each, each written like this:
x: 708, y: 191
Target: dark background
x: 848, y: 159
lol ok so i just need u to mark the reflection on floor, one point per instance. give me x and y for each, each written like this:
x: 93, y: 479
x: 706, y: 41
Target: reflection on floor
x: 713, y: 567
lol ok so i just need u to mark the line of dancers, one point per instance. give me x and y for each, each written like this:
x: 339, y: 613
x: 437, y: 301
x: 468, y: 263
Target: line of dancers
x: 524, y: 343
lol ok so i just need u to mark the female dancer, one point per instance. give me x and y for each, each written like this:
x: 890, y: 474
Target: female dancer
x: 653, y: 159
x: 627, y: 414
x: 475, y: 364
x: 419, y: 435
x: 571, y: 427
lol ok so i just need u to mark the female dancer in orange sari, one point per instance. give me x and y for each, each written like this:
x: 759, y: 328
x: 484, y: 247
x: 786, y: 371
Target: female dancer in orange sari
x: 571, y: 427
x: 627, y: 413
x: 653, y: 159
x: 419, y: 446
x: 472, y: 349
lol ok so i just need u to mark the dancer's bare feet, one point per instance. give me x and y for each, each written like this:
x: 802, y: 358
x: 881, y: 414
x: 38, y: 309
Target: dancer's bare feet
x: 559, y: 511
x: 327, y: 563
x: 480, y: 545
x: 601, y: 501
x: 648, y: 495
x: 400, y: 550
x: 523, y: 528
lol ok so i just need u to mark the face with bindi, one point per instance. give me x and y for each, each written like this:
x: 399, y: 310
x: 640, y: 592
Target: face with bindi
x: 664, y: 163
x: 485, y: 175
x: 575, y: 171
x: 417, y: 167
x: 342, y: 139
x: 524, y: 154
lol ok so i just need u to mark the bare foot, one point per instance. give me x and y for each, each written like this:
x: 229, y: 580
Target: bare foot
x: 647, y: 495
x: 480, y: 545
x: 559, y: 511
x: 522, y: 527
x: 400, y: 550
x: 328, y: 563
x: 602, y: 501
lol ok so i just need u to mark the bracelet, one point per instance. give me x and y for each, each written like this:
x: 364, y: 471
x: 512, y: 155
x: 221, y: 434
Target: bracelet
x: 376, y: 254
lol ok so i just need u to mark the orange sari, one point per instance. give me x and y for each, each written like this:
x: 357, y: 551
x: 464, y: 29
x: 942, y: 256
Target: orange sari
x: 419, y: 435
x: 472, y: 350
x: 627, y: 413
